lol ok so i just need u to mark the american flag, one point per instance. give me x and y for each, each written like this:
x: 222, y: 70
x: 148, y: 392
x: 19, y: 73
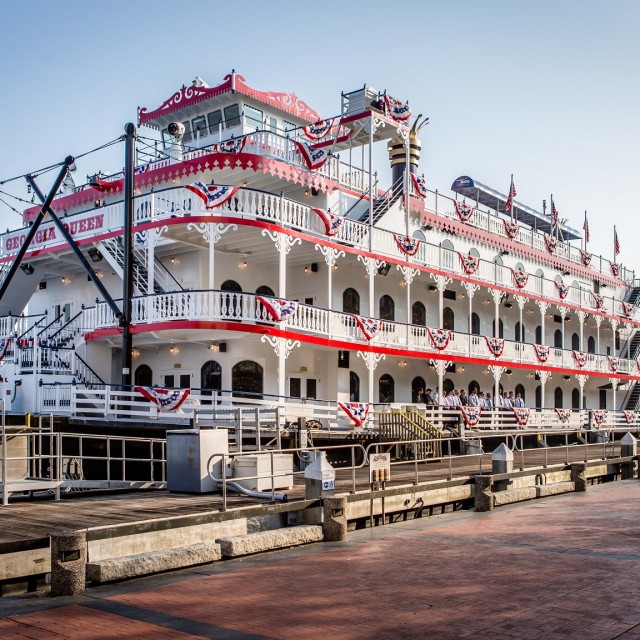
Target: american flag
x: 616, y: 243
x: 511, y: 196
x: 554, y: 214
x: 585, y: 228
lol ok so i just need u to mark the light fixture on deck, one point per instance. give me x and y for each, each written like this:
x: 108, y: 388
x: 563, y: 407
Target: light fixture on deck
x: 174, y: 260
x: 173, y: 350
x: 65, y: 281
x: 243, y: 262
x: 27, y: 268
x: 383, y: 269
x: 306, y: 193
x: 135, y: 353
x: 432, y: 287
x: 402, y: 363
x: 94, y: 254
x: 214, y: 347
x: 306, y: 269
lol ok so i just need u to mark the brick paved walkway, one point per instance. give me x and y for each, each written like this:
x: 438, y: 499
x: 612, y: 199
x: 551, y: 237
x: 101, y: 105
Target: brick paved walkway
x: 563, y: 567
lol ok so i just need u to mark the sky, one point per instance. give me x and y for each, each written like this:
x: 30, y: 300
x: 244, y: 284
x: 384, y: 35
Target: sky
x: 547, y: 90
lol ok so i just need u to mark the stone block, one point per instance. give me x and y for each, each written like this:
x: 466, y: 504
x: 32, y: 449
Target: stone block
x: 555, y: 488
x: 501, y: 498
x: 484, y: 494
x: 334, y: 525
x: 68, y: 563
x: 270, y: 540
x: 579, y: 475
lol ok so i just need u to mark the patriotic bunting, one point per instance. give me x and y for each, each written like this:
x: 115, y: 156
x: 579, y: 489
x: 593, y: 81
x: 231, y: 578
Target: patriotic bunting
x: 630, y: 416
x: 469, y: 263
x: 522, y: 415
x: 542, y: 352
x: 563, y: 415
x: 332, y: 224
x: 599, y: 415
x: 408, y: 246
x: 615, y: 269
x: 585, y: 258
x: 397, y: 109
x: 598, y: 300
x: 314, y: 158
x: 614, y: 363
x: 511, y: 228
x: 551, y: 243
x: 420, y: 185
x: 235, y: 145
x: 318, y: 130
x: 212, y: 196
x: 627, y: 309
x: 278, y: 308
x: 563, y: 290
x: 439, y: 337
x: 471, y: 415
x: 357, y: 411
x: 520, y: 278
x: 369, y: 326
x: 580, y: 357
x: 464, y: 211
x: 496, y: 345
x: 164, y: 399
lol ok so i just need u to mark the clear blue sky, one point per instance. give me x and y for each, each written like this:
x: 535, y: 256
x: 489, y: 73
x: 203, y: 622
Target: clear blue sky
x: 547, y: 90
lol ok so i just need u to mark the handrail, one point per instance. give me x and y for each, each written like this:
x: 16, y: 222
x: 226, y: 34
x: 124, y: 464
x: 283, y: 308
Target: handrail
x: 50, y: 324
x: 84, y: 362
x: 64, y: 326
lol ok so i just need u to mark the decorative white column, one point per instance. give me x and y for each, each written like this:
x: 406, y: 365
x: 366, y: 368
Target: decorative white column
x: 371, y: 265
x: 598, y: 319
x: 282, y: 348
x: 331, y: 256
x: 582, y: 316
x: 371, y: 361
x: 283, y: 244
x: 497, y: 296
x: 521, y: 301
x: 497, y: 372
x: 408, y: 273
x: 563, y: 315
x: 543, y: 306
x: 582, y: 380
x: 614, y: 385
x: 441, y: 367
x: 211, y: 233
x: 544, y: 376
x: 614, y: 328
x: 441, y: 283
x: 471, y: 289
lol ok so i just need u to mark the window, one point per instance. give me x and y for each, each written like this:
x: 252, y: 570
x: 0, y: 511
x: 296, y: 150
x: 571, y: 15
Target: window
x: 418, y: 314
x: 557, y: 398
x: 187, y: 131
x: 519, y: 334
x: 603, y: 399
x: 473, y: 385
x: 232, y: 115
x: 474, y: 252
x: 232, y: 302
x: 500, y: 329
x: 169, y: 381
x: 295, y: 388
x: 386, y: 388
x: 351, y: 301
x: 591, y: 344
x: 417, y: 384
x: 447, y: 385
x: 273, y: 124
x: 312, y: 392
x: 519, y: 390
x: 231, y: 285
x: 210, y: 378
x: 575, y: 398
x: 475, y: 324
x: 247, y: 379
x: 143, y: 376
x: 539, y: 334
x: 498, y: 260
x: 354, y: 387
x: 199, y: 127
x: 288, y: 126
x: 448, y: 318
x: 447, y: 244
x: 263, y: 290
x: 575, y: 342
x: 557, y: 339
x: 538, y: 397
x: 215, y: 121
x: 254, y: 117
x: 387, y: 308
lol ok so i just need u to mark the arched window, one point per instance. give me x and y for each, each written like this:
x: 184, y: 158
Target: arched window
x: 500, y: 329
x: 419, y: 314
x: 231, y: 285
x: 447, y: 244
x: 474, y: 252
x: 417, y: 384
x: 575, y: 398
x: 247, y: 379
x: 539, y: 281
x: 538, y: 397
x: 447, y: 385
x: 386, y: 388
x: 519, y: 338
x: 354, y: 387
x: 351, y: 301
x: 557, y: 398
x: 539, y: 334
x: 143, y: 376
x: 617, y: 340
x: 475, y: 324
x: 387, y: 308
x: 591, y: 344
x: 520, y: 390
x: 418, y: 235
x: 263, y: 290
x: 473, y: 385
x: 557, y: 339
x: 232, y: 302
x: 448, y: 318
x: 519, y: 266
x: 498, y: 260
x: 210, y: 378
x: 575, y: 342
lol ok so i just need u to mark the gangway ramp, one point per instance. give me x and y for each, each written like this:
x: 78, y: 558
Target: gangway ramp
x: 412, y: 425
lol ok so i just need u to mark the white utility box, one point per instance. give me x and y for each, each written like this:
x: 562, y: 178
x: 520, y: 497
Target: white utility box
x: 188, y: 454
x: 254, y: 472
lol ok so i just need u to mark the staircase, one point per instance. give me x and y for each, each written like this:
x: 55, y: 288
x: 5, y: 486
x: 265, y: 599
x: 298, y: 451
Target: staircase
x: 411, y: 425
x: 383, y: 203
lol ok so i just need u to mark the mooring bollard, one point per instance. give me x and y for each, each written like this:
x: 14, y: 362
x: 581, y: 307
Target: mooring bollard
x: 484, y: 493
x: 578, y: 475
x: 502, y: 459
x: 628, y: 449
x: 334, y: 526
x: 68, y: 563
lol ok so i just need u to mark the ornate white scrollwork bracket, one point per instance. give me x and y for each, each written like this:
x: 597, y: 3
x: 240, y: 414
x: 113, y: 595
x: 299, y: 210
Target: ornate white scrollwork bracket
x: 544, y: 376
x: 149, y: 236
x: 371, y: 359
x: 441, y: 281
x: 282, y: 241
x: 497, y: 295
x: 211, y: 232
x: 440, y: 366
x: 582, y: 379
x: 543, y: 306
x: 521, y: 300
x: 330, y: 254
x: 408, y: 273
x: 371, y: 265
x: 497, y: 371
x: 281, y: 346
x: 470, y: 288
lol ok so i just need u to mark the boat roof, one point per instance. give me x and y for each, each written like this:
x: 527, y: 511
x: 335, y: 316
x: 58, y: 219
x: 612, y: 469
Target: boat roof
x: 474, y: 190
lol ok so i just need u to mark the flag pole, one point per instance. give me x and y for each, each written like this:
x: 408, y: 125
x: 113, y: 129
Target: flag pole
x: 511, y: 196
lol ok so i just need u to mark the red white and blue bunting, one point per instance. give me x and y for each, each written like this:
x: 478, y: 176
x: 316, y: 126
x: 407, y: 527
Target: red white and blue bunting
x: 369, y: 326
x: 313, y: 158
x: 580, y: 357
x: 551, y: 242
x: 599, y: 415
x: 397, y: 109
x: 4, y: 346
x: 496, y: 345
x: 598, y: 300
x: 357, y: 411
x: 212, y: 196
x: 408, y: 246
x: 585, y: 258
x: 278, y: 308
x: 234, y: 145
x: 420, y: 185
x: 464, y: 211
x: 615, y: 269
x: 522, y: 415
x: 332, y: 224
x: 631, y: 416
x: 471, y: 415
x: 164, y: 399
x: 563, y: 415
x: 542, y: 352
x: 469, y: 263
x: 627, y: 309
x: 563, y: 290
x: 318, y: 130
x: 520, y: 278
x: 439, y: 337
x: 614, y: 363
x: 511, y: 228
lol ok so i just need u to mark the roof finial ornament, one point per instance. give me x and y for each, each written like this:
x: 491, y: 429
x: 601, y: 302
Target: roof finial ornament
x: 416, y: 127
